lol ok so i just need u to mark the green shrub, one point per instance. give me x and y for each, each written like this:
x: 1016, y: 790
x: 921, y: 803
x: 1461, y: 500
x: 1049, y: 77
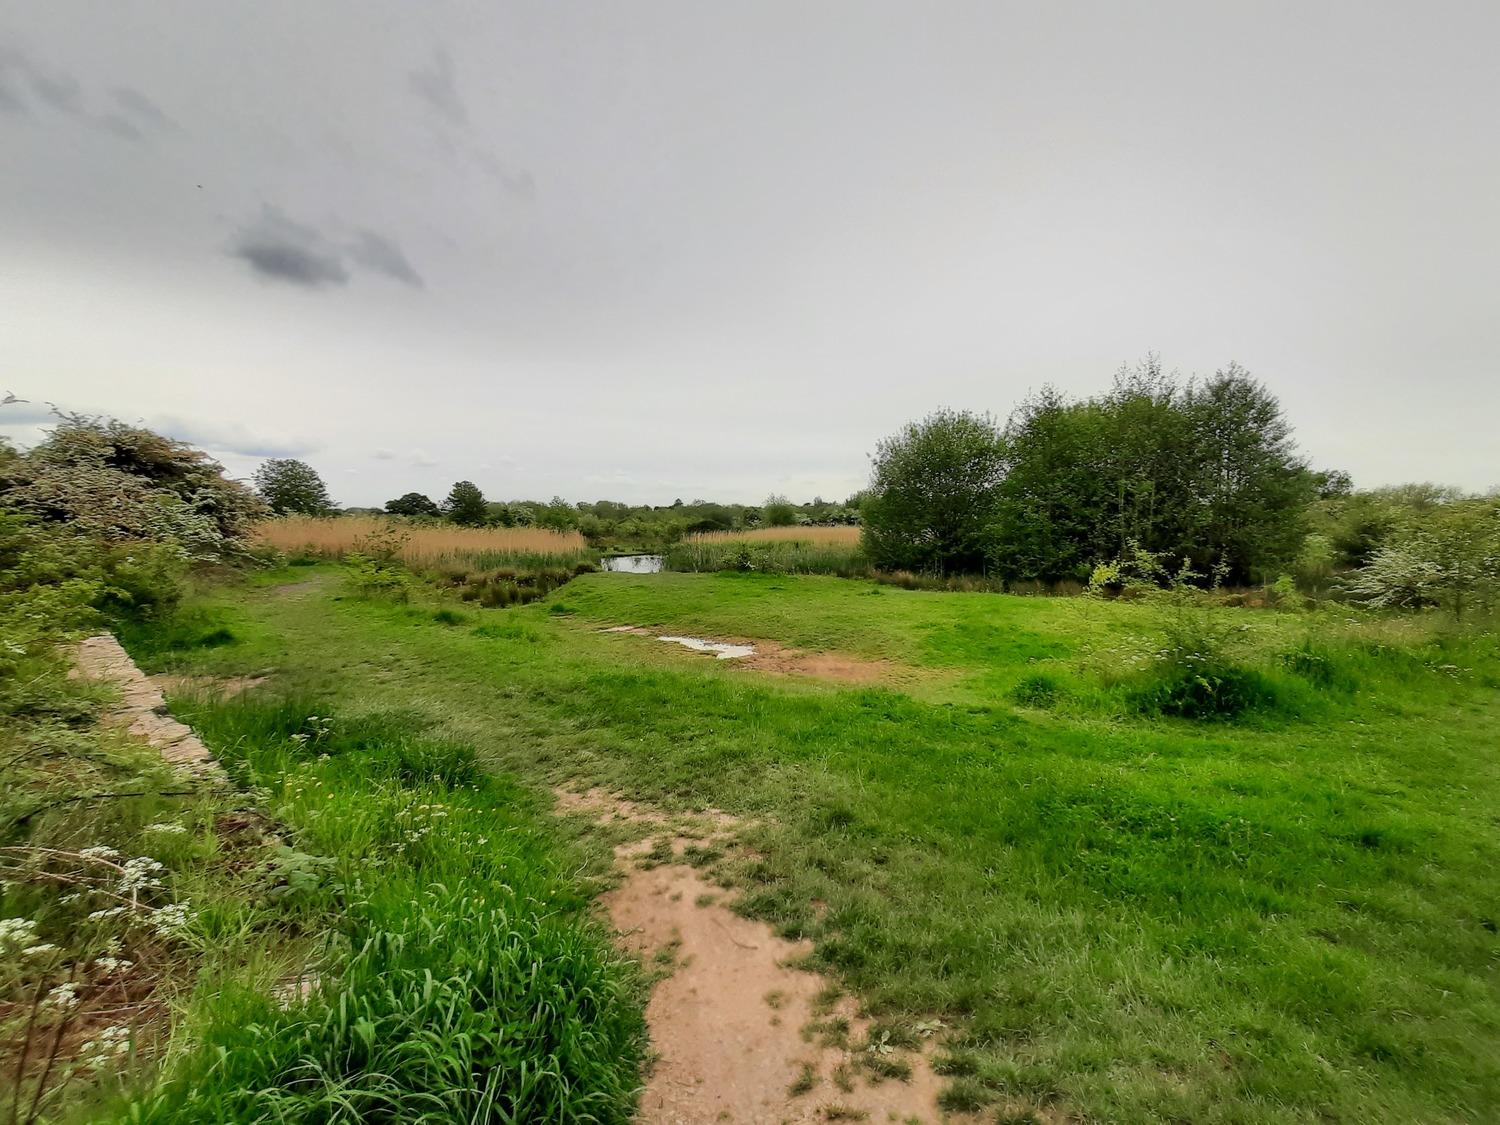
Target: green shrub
x: 1199, y: 687
x: 1037, y: 690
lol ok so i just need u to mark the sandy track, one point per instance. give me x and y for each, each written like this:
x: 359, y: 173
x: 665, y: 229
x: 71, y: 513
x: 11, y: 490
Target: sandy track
x: 730, y: 1020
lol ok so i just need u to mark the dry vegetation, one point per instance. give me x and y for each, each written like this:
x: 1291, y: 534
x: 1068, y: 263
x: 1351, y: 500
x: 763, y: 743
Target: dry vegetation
x: 817, y: 536
x: 423, y: 546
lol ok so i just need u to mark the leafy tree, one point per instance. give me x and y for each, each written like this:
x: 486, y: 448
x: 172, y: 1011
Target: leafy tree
x: 292, y: 487
x: 934, y: 491
x: 777, y: 511
x: 1251, y: 488
x: 466, y: 505
x: 1205, y: 472
x: 124, y: 484
x: 412, y: 504
x: 1448, y: 557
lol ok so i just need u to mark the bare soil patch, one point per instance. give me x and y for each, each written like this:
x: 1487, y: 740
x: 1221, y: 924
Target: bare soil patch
x: 772, y: 657
x: 742, y: 1034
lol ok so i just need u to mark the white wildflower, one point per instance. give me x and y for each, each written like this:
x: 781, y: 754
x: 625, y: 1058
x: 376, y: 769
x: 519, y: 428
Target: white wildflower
x: 99, y: 853
x: 63, y: 996
x: 112, y: 965
x: 140, y: 873
x: 171, y: 918
x: 39, y: 950
x: 167, y: 827
x: 16, y: 931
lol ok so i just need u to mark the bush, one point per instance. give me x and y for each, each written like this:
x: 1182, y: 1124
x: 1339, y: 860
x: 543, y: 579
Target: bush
x: 1201, y: 687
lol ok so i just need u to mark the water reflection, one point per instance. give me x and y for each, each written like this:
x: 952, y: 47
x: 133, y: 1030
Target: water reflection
x: 631, y: 564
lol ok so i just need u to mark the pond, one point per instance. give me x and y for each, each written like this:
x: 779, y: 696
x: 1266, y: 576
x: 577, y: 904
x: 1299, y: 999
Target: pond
x: 631, y: 564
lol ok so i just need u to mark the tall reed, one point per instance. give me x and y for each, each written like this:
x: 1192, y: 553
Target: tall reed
x: 423, y: 545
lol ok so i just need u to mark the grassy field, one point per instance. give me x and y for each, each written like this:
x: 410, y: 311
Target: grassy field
x: 1288, y: 917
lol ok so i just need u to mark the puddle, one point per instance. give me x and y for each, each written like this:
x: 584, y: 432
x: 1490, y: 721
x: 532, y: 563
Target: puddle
x: 631, y: 564
x: 724, y: 651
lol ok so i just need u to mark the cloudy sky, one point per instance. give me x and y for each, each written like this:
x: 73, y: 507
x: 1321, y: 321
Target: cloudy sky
x: 647, y: 250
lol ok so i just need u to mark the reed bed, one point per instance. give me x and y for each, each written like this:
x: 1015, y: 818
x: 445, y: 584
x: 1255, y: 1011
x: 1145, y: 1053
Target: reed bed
x: 777, y: 556
x: 419, y: 545
x: 817, y: 536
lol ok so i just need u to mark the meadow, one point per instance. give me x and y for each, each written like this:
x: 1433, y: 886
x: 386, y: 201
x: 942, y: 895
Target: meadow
x: 1279, y: 909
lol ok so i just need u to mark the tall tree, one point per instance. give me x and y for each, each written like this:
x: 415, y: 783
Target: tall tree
x: 933, y: 494
x: 466, y: 505
x: 412, y: 504
x: 292, y: 487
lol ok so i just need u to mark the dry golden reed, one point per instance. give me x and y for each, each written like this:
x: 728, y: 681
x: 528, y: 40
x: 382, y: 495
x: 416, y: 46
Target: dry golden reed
x: 424, y: 546
x: 817, y: 536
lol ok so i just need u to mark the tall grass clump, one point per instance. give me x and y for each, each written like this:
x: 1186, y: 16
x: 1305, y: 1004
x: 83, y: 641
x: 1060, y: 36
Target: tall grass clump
x: 776, y: 555
x: 425, y: 545
x: 461, y: 979
x: 817, y: 536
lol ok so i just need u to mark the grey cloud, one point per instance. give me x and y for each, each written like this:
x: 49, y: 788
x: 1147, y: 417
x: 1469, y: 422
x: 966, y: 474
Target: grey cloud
x: 11, y: 73
x: 60, y: 91
x: 141, y: 109
x: 65, y: 94
x: 436, y: 85
x: 422, y: 459
x: 384, y: 454
x: 117, y: 125
x: 383, y: 256
x: 279, y: 248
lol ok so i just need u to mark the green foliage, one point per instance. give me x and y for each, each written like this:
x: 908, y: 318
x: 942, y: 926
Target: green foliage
x: 464, y: 984
x: 933, y: 494
x: 1205, y: 471
x: 777, y: 511
x: 1449, y: 556
x: 121, y: 484
x: 292, y: 487
x: 466, y: 505
x: 413, y: 504
x: 787, y: 556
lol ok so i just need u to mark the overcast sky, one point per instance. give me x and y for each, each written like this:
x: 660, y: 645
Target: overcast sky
x: 656, y: 250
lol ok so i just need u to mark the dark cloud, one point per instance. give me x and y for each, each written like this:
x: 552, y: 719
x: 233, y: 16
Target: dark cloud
x: 133, y: 116
x: 280, y: 249
x: 374, y: 252
x: 437, y: 86
x: 140, y: 109
x: 60, y: 91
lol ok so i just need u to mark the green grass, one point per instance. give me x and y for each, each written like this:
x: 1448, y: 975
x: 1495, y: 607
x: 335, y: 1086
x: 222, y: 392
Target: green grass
x: 458, y: 978
x: 1285, y: 915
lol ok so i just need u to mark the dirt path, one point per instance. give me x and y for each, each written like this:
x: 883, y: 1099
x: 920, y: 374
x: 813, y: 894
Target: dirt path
x: 742, y: 1036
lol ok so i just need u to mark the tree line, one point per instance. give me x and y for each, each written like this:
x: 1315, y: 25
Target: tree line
x: 1202, y: 471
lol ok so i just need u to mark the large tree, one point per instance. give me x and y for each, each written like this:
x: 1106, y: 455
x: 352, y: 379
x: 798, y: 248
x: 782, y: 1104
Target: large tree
x: 933, y: 493
x: 466, y: 505
x: 292, y: 487
x: 1204, y: 471
x: 412, y: 504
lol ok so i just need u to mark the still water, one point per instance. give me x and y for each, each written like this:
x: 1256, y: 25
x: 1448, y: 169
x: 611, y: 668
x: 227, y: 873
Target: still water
x: 632, y: 564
